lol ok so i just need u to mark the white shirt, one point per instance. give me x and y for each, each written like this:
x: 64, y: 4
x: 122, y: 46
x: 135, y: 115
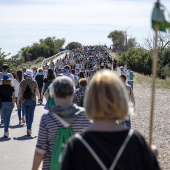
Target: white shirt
x: 34, y: 75
x: 16, y: 87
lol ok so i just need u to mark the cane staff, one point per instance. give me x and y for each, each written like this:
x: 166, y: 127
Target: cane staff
x: 158, y: 24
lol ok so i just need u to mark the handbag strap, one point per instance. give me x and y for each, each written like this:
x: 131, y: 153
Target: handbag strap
x: 89, y: 148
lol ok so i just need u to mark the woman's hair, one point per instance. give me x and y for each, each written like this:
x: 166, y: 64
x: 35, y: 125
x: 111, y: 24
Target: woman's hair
x: 7, y: 82
x: 106, y: 98
x: 83, y: 82
x: 62, y: 87
x: 50, y: 75
x: 73, y: 71
x: 19, y: 75
x: 82, y: 74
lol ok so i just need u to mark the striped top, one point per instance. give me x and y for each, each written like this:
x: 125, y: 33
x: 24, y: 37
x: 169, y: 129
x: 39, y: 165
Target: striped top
x: 49, y: 127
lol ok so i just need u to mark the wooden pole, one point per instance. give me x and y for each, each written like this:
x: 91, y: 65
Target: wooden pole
x: 154, y: 75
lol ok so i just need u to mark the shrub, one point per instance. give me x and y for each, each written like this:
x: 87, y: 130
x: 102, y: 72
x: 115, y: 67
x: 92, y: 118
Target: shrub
x: 139, y: 60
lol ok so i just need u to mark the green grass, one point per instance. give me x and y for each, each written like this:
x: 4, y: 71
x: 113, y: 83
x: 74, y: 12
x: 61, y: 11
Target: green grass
x: 146, y: 81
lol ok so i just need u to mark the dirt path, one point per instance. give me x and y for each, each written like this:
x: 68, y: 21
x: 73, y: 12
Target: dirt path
x: 140, y: 121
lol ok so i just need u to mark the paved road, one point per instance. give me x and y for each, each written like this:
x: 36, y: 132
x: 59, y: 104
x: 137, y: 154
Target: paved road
x: 16, y: 153
x: 58, y: 57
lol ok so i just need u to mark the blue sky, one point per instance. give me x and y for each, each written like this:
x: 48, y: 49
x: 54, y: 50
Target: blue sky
x: 24, y: 22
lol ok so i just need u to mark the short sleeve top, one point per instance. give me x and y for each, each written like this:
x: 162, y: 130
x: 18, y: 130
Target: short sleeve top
x: 6, y: 91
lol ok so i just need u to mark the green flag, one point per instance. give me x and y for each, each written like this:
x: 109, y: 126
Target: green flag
x: 158, y: 19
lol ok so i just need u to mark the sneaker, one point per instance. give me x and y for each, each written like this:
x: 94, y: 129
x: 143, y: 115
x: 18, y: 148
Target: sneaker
x: 6, y: 134
x: 23, y: 120
x: 29, y: 133
x: 20, y: 122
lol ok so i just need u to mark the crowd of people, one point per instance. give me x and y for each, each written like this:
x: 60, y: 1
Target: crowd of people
x: 84, y: 99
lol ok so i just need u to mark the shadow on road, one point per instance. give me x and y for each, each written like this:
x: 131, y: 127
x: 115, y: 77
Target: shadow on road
x: 2, y: 139
x: 40, y: 104
x: 16, y: 126
x: 25, y: 137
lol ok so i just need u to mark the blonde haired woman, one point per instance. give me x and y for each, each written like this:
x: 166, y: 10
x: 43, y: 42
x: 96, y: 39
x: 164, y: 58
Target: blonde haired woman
x: 8, y: 102
x: 106, y: 144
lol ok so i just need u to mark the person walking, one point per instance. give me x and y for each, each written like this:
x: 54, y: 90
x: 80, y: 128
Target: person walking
x: 8, y: 102
x: 28, y: 90
x: 80, y: 92
x: 123, y: 77
x: 39, y: 78
x: 48, y: 80
x: 65, y: 112
x: 16, y: 83
x: 107, y: 144
x: 130, y: 75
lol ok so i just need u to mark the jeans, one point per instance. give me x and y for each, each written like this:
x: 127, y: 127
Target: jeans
x: 19, y: 111
x: 29, y: 107
x: 40, y: 90
x: 6, y: 111
x: 131, y: 84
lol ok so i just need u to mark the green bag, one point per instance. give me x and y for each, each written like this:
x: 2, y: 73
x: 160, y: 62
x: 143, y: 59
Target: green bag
x: 64, y: 133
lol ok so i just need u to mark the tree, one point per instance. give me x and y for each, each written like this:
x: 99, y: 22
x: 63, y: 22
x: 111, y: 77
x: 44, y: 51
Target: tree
x: 140, y: 60
x: 131, y: 43
x: 2, y: 57
x: 2, y: 54
x: 25, y: 52
x: 15, y: 61
x: 164, y: 63
x: 163, y: 41
x: 44, y: 48
x: 120, y: 41
x: 73, y: 45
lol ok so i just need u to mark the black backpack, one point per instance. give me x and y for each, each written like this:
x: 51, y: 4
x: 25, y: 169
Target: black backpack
x: 28, y: 92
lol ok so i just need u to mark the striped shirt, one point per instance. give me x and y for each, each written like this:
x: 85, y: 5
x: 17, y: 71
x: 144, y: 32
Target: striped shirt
x: 49, y: 127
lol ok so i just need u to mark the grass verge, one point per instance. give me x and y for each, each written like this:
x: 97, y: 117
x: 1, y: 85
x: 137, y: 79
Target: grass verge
x: 146, y: 81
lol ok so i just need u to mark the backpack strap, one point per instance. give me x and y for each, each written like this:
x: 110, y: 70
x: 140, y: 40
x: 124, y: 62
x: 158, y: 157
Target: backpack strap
x: 28, y: 84
x: 64, y: 123
x: 98, y: 159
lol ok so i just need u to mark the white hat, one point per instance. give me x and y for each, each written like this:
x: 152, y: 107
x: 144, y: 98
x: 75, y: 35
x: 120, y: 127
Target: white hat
x: 28, y: 73
x: 121, y: 66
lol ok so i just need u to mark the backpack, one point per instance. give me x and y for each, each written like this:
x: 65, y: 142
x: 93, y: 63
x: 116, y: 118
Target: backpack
x: 131, y: 75
x: 28, y: 92
x: 95, y: 156
x: 63, y: 134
